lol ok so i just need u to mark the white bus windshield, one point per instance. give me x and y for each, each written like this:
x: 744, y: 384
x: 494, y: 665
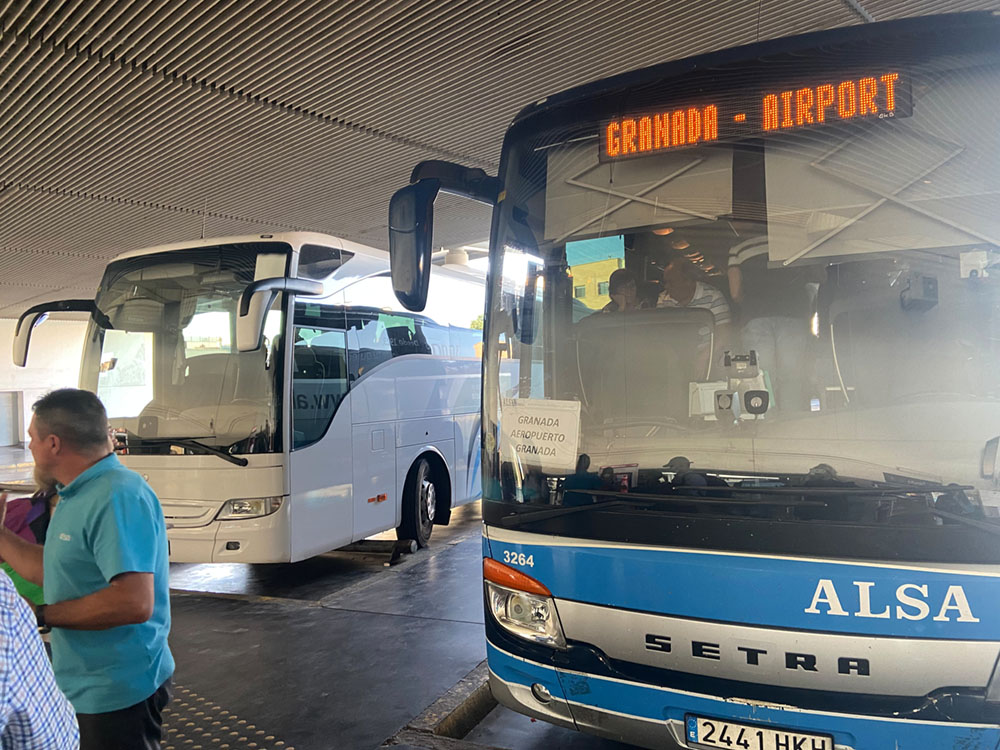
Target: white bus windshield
x: 789, y: 282
x: 168, y: 368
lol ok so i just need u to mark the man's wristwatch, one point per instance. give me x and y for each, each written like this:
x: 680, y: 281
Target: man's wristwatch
x: 40, y: 617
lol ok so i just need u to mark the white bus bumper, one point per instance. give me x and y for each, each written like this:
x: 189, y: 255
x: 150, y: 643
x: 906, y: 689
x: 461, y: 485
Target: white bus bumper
x: 255, y: 540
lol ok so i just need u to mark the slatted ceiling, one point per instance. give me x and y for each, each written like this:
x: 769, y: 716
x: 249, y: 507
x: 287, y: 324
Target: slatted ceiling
x: 230, y: 228
x: 18, y: 298
x: 19, y: 261
x: 552, y: 57
x: 885, y: 9
x: 66, y: 224
x: 127, y: 123
x: 22, y: 297
x: 177, y: 135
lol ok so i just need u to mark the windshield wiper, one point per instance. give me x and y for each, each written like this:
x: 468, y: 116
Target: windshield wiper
x: 194, y: 445
x: 704, y: 499
x: 819, y: 489
x: 516, y: 519
x: 975, y: 523
x: 636, y: 499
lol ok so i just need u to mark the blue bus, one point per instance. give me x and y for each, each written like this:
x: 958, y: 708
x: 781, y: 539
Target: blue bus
x: 741, y: 394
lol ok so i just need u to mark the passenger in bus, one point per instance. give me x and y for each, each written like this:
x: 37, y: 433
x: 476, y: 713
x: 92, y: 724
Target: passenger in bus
x: 623, y: 289
x: 774, y: 307
x: 582, y: 479
x: 680, y: 467
x: 681, y: 288
x: 689, y: 481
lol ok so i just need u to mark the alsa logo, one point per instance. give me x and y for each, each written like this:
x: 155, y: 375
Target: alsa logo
x: 912, y: 603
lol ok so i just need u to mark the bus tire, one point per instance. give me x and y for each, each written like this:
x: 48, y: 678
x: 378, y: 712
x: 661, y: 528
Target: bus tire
x: 420, y: 499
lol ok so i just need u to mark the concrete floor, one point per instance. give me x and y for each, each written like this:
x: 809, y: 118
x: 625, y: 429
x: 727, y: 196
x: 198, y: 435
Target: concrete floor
x: 507, y: 729
x: 333, y: 652
x: 339, y: 651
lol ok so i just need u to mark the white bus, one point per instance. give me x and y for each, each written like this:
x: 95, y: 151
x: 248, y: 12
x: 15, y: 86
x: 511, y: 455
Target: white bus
x: 278, y: 398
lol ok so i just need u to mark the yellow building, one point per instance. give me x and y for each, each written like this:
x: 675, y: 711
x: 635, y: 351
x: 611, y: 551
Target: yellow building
x: 590, y: 281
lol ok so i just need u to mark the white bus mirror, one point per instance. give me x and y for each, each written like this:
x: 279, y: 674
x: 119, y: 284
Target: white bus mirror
x: 22, y: 336
x: 35, y: 315
x: 411, y: 222
x: 256, y: 301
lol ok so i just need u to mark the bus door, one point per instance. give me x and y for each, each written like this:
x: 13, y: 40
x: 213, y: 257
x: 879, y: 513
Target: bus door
x: 374, y: 415
x: 320, y: 472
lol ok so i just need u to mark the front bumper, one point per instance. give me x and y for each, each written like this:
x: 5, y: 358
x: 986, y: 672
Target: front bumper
x: 265, y: 539
x: 653, y: 717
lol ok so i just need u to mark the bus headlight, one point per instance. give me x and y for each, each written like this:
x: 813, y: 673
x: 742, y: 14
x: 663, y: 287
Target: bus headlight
x: 248, y: 507
x: 527, y: 611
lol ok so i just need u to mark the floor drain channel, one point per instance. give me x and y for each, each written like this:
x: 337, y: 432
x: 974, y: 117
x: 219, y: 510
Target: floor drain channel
x: 191, y: 722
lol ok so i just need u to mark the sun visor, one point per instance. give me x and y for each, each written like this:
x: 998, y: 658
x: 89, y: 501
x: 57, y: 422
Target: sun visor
x: 585, y: 197
x: 927, y: 181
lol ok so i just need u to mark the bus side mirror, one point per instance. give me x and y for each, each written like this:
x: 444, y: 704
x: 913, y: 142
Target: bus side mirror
x: 256, y: 300
x: 411, y: 230
x: 35, y: 315
x: 22, y: 336
x: 411, y: 222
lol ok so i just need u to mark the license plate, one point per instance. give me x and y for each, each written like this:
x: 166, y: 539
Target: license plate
x: 707, y: 732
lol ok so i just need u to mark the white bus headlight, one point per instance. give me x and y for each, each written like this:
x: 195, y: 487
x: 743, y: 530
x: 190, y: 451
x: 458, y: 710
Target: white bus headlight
x: 527, y: 614
x: 248, y: 507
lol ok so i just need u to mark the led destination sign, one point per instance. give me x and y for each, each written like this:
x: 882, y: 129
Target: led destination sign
x: 879, y: 96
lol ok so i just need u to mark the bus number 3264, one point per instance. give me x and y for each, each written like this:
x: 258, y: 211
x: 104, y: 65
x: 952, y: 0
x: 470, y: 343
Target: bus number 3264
x: 518, y: 558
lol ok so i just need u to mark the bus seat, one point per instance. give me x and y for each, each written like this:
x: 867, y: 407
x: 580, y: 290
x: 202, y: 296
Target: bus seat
x: 638, y: 365
x: 307, y: 366
x: 249, y: 377
x: 203, y: 380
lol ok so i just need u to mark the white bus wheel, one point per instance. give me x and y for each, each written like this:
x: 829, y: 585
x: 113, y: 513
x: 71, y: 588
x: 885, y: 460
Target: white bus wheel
x: 420, y: 499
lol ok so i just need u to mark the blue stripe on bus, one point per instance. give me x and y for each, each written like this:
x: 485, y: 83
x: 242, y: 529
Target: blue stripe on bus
x: 660, y: 704
x: 766, y: 591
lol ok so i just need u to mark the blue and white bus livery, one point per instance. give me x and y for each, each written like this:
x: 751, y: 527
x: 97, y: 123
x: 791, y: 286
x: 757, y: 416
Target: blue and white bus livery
x: 751, y: 301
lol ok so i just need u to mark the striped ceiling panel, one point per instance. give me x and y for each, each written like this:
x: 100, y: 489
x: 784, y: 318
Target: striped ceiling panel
x: 127, y: 123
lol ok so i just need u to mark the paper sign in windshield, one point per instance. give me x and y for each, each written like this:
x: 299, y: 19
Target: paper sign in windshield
x: 540, y: 432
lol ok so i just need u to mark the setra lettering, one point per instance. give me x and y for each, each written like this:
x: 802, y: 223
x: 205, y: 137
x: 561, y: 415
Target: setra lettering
x: 756, y: 657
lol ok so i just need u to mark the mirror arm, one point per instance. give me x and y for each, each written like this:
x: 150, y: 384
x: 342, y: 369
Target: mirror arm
x: 33, y: 315
x: 65, y: 305
x: 278, y: 284
x: 467, y: 182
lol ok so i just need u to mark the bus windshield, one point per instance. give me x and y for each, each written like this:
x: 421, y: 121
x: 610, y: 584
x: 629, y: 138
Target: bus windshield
x: 761, y: 293
x: 167, y: 367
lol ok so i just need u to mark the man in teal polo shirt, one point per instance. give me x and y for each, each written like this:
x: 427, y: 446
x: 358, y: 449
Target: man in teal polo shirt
x: 105, y: 577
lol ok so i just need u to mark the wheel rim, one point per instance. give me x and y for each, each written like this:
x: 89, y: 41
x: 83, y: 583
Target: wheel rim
x: 428, y: 500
